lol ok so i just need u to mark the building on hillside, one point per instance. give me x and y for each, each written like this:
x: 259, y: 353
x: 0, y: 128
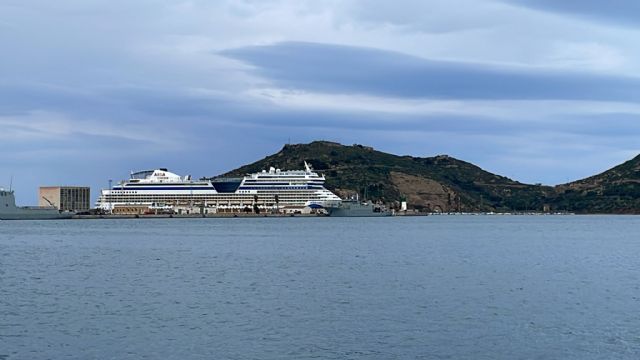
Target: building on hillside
x: 65, y: 198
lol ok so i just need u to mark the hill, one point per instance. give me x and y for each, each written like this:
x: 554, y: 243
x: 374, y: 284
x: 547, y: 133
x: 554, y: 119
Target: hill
x: 440, y: 183
x: 614, y: 191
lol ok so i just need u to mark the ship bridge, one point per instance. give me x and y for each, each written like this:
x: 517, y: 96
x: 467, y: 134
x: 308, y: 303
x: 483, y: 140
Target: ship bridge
x: 157, y: 175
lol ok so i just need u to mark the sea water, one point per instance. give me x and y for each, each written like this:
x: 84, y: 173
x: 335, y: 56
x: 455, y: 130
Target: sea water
x: 437, y: 287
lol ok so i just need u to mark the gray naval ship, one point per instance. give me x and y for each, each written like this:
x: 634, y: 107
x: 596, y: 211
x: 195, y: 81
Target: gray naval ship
x: 355, y: 208
x: 9, y: 210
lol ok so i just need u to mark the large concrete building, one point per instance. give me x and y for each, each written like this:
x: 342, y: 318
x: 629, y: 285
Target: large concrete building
x: 66, y: 198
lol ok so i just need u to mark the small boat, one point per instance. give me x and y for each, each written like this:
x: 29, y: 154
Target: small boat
x: 9, y: 210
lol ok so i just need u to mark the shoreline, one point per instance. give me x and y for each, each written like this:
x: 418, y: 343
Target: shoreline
x: 251, y: 215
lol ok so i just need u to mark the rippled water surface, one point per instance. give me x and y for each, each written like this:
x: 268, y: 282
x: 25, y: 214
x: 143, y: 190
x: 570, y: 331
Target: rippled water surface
x: 438, y: 287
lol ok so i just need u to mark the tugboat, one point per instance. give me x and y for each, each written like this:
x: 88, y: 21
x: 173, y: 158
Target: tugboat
x: 9, y: 210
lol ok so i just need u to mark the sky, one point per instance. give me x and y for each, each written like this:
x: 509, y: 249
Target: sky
x: 541, y: 91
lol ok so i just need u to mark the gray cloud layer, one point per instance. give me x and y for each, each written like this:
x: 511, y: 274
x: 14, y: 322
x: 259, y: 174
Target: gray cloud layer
x: 331, y: 68
x: 621, y: 12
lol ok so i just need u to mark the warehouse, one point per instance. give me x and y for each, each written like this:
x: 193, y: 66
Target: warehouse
x: 65, y: 198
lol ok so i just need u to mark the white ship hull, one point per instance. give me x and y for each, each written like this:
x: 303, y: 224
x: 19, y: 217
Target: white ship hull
x: 266, y: 190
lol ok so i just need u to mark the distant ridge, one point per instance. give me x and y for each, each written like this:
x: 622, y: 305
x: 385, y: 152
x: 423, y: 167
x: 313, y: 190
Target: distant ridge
x: 444, y: 183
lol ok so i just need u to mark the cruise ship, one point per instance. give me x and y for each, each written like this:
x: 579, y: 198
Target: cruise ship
x: 269, y: 189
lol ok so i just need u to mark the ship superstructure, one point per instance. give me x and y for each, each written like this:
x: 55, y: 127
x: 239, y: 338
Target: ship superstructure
x: 267, y: 189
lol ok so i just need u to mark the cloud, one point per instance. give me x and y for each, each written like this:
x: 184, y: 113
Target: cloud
x: 346, y: 69
x: 436, y: 16
x: 585, y: 55
x: 92, y: 89
x: 620, y: 12
x: 40, y: 136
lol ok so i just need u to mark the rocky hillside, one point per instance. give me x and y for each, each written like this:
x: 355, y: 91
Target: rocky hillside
x: 614, y: 191
x: 443, y: 183
x: 439, y: 183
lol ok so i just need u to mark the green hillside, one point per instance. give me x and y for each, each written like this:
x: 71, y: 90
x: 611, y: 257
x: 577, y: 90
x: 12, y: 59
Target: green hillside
x: 443, y: 183
x: 614, y: 191
x: 439, y: 183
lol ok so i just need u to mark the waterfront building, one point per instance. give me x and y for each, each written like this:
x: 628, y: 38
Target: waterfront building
x: 65, y: 198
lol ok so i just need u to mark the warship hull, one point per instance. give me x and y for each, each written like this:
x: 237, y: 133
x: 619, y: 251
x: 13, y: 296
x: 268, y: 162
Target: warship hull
x: 356, y: 209
x: 9, y: 210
